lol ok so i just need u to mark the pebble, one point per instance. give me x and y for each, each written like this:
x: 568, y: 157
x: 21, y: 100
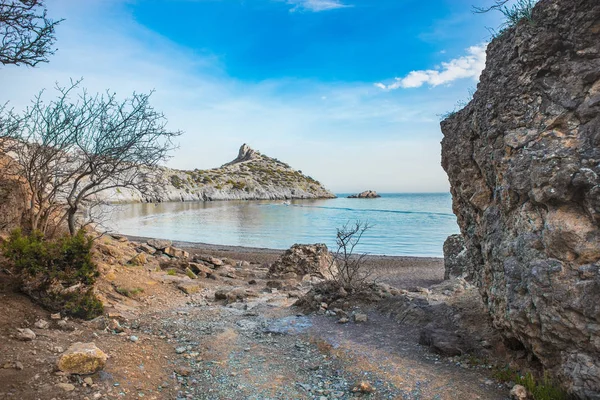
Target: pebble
x: 67, y: 387
x: 42, y: 324
x: 133, y: 338
x: 180, y: 350
x: 358, y: 317
x: 55, y: 316
x: 19, y: 365
x: 88, y: 381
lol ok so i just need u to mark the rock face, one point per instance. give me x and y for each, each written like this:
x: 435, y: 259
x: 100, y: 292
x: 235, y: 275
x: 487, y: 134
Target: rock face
x: 457, y: 264
x: 367, y: 194
x: 523, y: 159
x: 303, y: 259
x: 251, y: 176
x: 82, y: 359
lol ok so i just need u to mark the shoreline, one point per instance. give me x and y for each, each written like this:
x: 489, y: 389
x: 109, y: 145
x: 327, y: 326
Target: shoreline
x: 404, y: 272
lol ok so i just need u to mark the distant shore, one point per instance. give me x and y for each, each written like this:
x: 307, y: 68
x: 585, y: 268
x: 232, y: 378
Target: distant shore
x: 415, y: 271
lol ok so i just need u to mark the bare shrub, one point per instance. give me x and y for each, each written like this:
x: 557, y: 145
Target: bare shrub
x: 347, y: 268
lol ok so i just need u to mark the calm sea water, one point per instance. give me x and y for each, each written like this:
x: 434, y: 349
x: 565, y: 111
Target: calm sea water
x: 402, y: 224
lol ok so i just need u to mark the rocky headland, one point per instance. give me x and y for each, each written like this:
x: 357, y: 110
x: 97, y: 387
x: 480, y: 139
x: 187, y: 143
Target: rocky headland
x: 250, y: 176
x: 523, y: 159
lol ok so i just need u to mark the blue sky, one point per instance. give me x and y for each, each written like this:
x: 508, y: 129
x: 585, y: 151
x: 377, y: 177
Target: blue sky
x: 349, y: 91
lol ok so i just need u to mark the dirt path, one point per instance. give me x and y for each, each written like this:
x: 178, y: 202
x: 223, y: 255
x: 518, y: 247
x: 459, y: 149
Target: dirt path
x: 176, y: 346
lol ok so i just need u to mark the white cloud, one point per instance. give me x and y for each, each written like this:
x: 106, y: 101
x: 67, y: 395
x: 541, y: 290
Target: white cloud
x: 468, y: 66
x: 316, y: 5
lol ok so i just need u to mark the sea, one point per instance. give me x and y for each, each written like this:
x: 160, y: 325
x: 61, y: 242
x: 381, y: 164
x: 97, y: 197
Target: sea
x: 401, y: 224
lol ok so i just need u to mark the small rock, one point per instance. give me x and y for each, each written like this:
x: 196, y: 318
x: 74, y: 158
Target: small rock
x: 55, y: 316
x: 88, y: 381
x: 183, y: 371
x: 114, y: 325
x: 42, y: 324
x: 26, y: 335
x: 343, y: 320
x: 133, y: 338
x: 67, y: 387
x: 19, y: 365
x: 189, y: 287
x: 180, y: 350
x: 363, y: 387
x: 519, y: 392
x: 139, y: 259
x: 359, y: 317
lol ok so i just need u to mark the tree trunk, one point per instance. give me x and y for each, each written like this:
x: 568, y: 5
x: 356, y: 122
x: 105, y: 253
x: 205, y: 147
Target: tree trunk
x: 72, y: 221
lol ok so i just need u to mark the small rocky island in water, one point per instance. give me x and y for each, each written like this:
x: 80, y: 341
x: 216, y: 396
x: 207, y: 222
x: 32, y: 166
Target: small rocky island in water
x: 367, y: 194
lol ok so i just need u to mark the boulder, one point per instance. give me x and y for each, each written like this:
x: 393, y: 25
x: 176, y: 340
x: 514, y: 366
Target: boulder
x: 442, y: 342
x: 139, y: 260
x: 159, y: 244
x: 303, y: 259
x: 523, y: 161
x: 82, y: 359
x: 175, y: 252
x: 146, y: 249
x: 367, y: 194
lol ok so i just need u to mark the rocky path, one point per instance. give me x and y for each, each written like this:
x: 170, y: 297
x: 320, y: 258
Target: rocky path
x: 262, y: 349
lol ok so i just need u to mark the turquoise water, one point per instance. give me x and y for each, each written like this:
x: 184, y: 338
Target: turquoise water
x: 402, y: 224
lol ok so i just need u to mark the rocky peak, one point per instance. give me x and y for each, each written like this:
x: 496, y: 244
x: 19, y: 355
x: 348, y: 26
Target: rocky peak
x: 246, y: 153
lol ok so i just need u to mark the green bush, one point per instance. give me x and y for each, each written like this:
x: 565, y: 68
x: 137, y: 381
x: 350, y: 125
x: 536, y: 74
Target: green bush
x: 176, y: 181
x: 66, y: 260
x: 82, y: 305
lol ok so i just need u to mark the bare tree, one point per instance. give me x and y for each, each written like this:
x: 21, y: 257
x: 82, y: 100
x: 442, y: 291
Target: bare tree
x: 347, y: 268
x: 26, y: 32
x: 70, y: 150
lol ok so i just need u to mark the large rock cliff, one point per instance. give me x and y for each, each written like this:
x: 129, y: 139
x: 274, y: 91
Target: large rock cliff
x: 523, y: 159
x: 250, y: 176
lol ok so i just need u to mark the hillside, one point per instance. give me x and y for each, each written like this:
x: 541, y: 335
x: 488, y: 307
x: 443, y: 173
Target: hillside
x: 250, y: 176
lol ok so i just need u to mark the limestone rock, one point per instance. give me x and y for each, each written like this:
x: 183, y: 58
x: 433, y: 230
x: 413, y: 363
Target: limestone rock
x: 518, y: 392
x: 159, y: 244
x: 367, y: 194
x: 42, y: 324
x: 67, y: 387
x: 82, y: 359
x: 303, y: 259
x: 359, y: 317
x: 146, y: 248
x: 523, y: 160
x: 25, y: 335
x: 189, y: 287
x: 175, y: 252
x: 139, y: 259
x: 457, y: 264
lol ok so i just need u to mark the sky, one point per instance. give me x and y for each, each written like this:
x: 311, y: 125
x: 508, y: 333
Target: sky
x: 348, y: 91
